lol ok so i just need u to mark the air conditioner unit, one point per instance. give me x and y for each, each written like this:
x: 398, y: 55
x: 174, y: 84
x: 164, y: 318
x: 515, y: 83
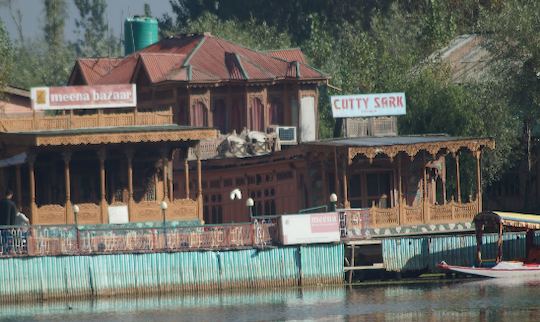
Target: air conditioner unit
x: 286, y: 134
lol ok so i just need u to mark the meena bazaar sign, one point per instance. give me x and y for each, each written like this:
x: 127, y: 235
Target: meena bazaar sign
x: 383, y: 104
x: 84, y: 97
x: 310, y: 228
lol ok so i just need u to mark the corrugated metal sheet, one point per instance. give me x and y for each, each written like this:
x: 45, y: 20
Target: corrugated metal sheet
x: 206, y: 54
x: 421, y: 253
x: 40, y: 278
x: 318, y: 264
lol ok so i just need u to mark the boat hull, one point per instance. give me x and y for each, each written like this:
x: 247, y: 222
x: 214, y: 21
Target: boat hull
x: 501, y: 270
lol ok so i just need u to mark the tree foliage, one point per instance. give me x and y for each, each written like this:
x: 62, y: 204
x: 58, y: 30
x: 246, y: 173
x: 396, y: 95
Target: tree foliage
x: 6, y: 57
x: 94, y: 37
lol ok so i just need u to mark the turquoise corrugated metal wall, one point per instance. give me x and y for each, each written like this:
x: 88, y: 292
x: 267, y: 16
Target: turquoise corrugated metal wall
x: 105, y: 275
x: 420, y: 253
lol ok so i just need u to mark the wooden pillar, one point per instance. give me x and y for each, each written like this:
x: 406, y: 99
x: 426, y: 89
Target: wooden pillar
x: 478, y: 155
x: 32, y: 185
x: 129, y: 155
x: 164, y: 163
x: 400, y: 192
x: 171, y: 176
x: 67, y: 177
x: 199, y: 188
x: 443, y: 179
x: 499, y: 244
x: 186, y: 173
x: 19, y: 185
x: 346, y: 203
x: 458, y: 180
x: 102, y: 154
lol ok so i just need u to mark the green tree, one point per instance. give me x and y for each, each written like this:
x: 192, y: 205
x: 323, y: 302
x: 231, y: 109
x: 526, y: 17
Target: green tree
x: 512, y: 30
x: 6, y: 57
x: 95, y: 40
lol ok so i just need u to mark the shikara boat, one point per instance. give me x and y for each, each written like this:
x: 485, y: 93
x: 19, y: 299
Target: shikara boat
x: 526, y: 268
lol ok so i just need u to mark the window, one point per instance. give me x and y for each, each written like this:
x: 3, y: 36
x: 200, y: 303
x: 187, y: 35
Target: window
x: 219, y: 110
x: 276, y: 111
x: 256, y: 113
x: 199, y: 114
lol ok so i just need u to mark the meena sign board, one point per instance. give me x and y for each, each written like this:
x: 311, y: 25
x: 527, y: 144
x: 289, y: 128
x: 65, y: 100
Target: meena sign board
x: 310, y: 228
x: 383, y: 104
x: 84, y: 97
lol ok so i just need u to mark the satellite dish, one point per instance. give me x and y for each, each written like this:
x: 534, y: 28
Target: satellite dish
x: 236, y: 194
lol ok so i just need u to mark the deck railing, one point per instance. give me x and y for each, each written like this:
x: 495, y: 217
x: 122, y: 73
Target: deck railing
x: 41, y: 122
x: 17, y: 241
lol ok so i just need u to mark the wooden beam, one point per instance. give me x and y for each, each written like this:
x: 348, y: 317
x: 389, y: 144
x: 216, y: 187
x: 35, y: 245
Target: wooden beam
x: 102, y: 188
x: 129, y: 155
x: 458, y: 180
x: 346, y: 203
x: 67, y: 176
x: 400, y: 192
x: 478, y: 155
x: 186, y: 173
x: 32, y: 183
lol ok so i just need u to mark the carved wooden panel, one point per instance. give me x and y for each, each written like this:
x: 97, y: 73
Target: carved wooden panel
x: 50, y: 215
x: 89, y: 213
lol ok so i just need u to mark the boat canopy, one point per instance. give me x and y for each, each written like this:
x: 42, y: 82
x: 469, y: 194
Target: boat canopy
x: 507, y: 219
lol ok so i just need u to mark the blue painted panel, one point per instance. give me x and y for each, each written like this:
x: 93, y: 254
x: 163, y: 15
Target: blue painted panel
x: 420, y: 253
x: 107, y: 275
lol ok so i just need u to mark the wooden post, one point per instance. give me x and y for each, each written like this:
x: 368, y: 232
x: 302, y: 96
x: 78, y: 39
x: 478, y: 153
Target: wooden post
x: 478, y: 154
x: 458, y: 181
x: 19, y: 185
x: 31, y: 177
x: 164, y: 163
x: 346, y: 203
x: 499, y: 244
x: 186, y: 173
x: 199, y: 187
x: 351, y: 270
x: 443, y: 179
x: 67, y: 159
x: 129, y: 155
x: 171, y: 177
x: 400, y: 193
x: 102, y: 153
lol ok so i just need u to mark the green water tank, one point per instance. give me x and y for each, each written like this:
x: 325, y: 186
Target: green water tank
x: 139, y: 32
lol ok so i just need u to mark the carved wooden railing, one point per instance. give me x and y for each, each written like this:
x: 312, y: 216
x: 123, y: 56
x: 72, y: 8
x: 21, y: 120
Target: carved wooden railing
x: 42, y: 122
x: 452, y: 212
x: 180, y: 209
x: 384, y: 217
x: 412, y: 215
x: 49, y: 215
x: 89, y: 213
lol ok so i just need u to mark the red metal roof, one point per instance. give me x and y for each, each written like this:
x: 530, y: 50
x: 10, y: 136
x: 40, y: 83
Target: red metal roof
x: 200, y: 58
x: 93, y: 69
x: 292, y: 54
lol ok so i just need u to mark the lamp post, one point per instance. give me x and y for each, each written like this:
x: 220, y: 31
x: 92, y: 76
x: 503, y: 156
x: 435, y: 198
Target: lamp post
x: 249, y: 204
x: 164, y: 207
x: 333, y: 201
x: 75, y: 216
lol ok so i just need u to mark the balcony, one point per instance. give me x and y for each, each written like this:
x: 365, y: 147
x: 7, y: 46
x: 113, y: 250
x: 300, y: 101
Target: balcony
x: 40, y: 122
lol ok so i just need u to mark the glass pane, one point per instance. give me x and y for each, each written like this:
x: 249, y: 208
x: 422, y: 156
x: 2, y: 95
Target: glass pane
x: 372, y: 184
x: 355, y: 186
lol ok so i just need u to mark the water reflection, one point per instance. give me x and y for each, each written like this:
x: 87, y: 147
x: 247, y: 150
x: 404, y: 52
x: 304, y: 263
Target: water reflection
x: 487, y: 300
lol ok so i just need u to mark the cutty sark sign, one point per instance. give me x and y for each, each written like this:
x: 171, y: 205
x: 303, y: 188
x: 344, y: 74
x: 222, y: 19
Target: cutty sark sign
x: 383, y: 104
x: 84, y: 97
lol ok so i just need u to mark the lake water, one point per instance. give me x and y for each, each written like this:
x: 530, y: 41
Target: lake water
x: 487, y: 300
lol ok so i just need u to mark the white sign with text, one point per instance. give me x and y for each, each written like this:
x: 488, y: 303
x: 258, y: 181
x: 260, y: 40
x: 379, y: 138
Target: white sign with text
x: 310, y: 228
x: 383, y: 104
